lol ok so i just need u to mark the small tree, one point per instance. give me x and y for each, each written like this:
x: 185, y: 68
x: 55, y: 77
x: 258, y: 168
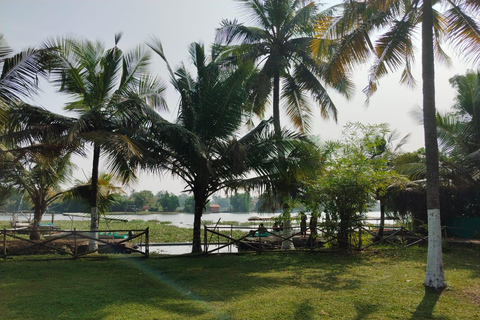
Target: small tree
x: 168, y: 201
x: 189, y: 205
x: 354, y: 178
x: 241, y: 202
x: 143, y: 198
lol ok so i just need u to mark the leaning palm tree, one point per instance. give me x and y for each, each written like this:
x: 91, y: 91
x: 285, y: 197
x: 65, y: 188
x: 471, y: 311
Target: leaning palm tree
x: 279, y: 41
x: 208, y: 150
x: 394, y: 49
x: 112, y: 95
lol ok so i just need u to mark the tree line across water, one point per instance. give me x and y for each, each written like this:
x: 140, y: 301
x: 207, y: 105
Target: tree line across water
x: 137, y: 201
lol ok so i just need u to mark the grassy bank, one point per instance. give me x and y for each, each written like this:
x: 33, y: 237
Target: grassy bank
x: 385, y: 284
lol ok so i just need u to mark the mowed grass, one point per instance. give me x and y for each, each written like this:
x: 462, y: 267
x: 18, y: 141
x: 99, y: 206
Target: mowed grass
x: 381, y: 284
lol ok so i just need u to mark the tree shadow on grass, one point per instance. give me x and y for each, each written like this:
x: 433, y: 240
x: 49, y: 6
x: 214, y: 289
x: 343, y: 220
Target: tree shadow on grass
x: 305, y: 311
x: 364, y: 310
x: 427, y: 305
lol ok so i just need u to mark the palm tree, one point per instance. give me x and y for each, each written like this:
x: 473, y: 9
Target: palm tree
x: 113, y: 96
x: 286, y: 187
x: 40, y: 176
x: 204, y: 150
x: 394, y: 49
x: 106, y: 192
x: 280, y: 42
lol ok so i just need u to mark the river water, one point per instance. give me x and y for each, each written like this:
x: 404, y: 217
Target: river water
x: 176, y: 219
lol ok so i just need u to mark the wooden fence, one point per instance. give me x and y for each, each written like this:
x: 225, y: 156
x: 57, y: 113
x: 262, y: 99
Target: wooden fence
x: 361, y: 237
x: 74, y: 243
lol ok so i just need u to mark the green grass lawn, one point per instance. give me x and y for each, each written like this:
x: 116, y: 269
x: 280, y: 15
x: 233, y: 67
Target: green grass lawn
x: 380, y: 284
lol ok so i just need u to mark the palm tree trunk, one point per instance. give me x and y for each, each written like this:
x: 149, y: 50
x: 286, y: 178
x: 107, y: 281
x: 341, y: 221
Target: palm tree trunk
x: 37, y: 217
x: 200, y: 200
x: 287, y: 229
x: 93, y: 244
x: 434, y: 276
x: 276, y: 104
x: 382, y: 220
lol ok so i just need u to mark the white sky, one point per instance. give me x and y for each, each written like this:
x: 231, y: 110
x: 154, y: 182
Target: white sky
x: 178, y: 23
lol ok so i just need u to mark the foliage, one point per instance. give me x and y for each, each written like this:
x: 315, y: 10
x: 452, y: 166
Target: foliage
x: 394, y: 49
x: 189, y: 205
x: 143, y: 198
x: 240, y: 202
x: 19, y: 72
x: 354, y: 176
x: 113, y: 95
x: 106, y: 194
x: 223, y: 202
x: 168, y: 201
x: 212, y: 151
x: 279, y: 42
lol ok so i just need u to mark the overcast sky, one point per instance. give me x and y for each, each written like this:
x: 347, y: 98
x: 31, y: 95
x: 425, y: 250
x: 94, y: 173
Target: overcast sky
x: 178, y: 23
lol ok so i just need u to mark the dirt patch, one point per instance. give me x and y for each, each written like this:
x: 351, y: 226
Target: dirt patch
x: 473, y: 293
x: 60, y: 246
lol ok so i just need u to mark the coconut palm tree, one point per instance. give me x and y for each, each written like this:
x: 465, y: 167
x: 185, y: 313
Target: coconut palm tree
x: 106, y: 192
x: 113, y: 95
x: 213, y: 151
x: 40, y: 176
x: 279, y: 41
x: 393, y: 49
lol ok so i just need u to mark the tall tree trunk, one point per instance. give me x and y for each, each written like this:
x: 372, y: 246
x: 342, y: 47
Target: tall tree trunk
x: 276, y: 104
x: 382, y: 220
x: 344, y: 230
x: 287, y: 229
x: 434, y: 275
x: 200, y: 200
x: 37, y: 217
x: 93, y: 244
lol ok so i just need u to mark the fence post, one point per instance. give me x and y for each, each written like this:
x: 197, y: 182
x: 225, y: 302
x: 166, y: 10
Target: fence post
x: 147, y: 242
x: 5, y: 244
x: 205, y: 248
x: 359, y: 238
x: 75, y: 252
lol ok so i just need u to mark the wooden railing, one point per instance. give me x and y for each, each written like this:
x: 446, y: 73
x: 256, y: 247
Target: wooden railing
x: 361, y: 237
x: 74, y: 243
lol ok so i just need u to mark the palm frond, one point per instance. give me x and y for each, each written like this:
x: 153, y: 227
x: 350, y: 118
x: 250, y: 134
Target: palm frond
x: 464, y: 32
x: 296, y: 107
x: 393, y: 49
x: 20, y: 73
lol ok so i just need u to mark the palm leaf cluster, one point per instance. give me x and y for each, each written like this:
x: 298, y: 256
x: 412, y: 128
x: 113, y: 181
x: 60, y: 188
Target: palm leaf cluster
x: 279, y: 42
x: 386, y: 32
